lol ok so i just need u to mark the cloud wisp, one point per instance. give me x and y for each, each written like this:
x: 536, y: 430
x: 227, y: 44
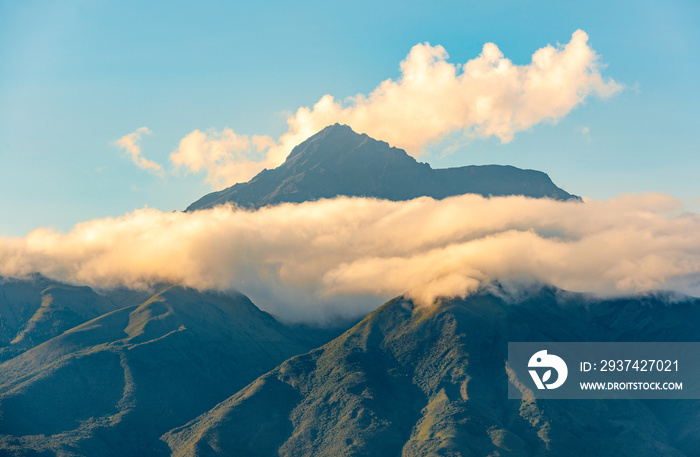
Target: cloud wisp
x: 432, y: 98
x: 131, y: 145
x: 346, y: 255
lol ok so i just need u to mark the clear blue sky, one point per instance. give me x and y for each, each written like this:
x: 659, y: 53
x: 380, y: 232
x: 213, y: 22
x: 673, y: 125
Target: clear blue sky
x: 77, y: 75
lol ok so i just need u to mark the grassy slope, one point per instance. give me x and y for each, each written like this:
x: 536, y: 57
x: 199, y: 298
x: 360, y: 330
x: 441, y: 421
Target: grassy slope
x: 35, y: 309
x: 419, y: 382
x: 113, y: 385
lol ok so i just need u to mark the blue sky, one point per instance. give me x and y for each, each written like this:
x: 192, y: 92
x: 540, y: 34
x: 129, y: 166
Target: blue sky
x: 77, y: 76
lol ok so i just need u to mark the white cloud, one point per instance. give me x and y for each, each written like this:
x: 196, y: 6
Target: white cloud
x: 130, y: 144
x: 347, y: 255
x: 225, y: 156
x: 486, y: 96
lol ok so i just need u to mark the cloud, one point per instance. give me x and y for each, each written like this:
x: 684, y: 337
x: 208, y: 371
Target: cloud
x: 432, y: 98
x: 130, y: 144
x: 225, y: 156
x: 347, y: 255
x: 586, y: 133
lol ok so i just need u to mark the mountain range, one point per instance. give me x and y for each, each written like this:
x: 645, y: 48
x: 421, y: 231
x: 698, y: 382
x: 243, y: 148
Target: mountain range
x: 432, y: 381
x: 177, y: 371
x: 113, y: 384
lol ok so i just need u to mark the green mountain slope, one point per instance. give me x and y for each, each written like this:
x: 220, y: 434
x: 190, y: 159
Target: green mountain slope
x: 338, y: 161
x: 432, y: 381
x: 36, y: 309
x: 113, y: 385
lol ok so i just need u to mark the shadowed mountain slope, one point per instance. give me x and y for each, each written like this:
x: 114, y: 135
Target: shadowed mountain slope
x: 113, y: 385
x: 338, y: 161
x: 410, y: 381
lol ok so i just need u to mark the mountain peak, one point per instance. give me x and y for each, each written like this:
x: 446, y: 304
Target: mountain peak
x: 336, y: 139
x: 338, y: 161
x: 339, y: 143
x: 336, y: 129
x: 335, y: 132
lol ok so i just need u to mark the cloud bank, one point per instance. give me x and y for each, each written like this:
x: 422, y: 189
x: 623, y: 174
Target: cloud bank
x: 432, y: 98
x: 347, y: 255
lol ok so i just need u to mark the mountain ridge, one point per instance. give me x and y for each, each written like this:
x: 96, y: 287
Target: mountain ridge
x: 417, y: 381
x: 338, y: 161
x: 35, y: 309
x: 112, y: 385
